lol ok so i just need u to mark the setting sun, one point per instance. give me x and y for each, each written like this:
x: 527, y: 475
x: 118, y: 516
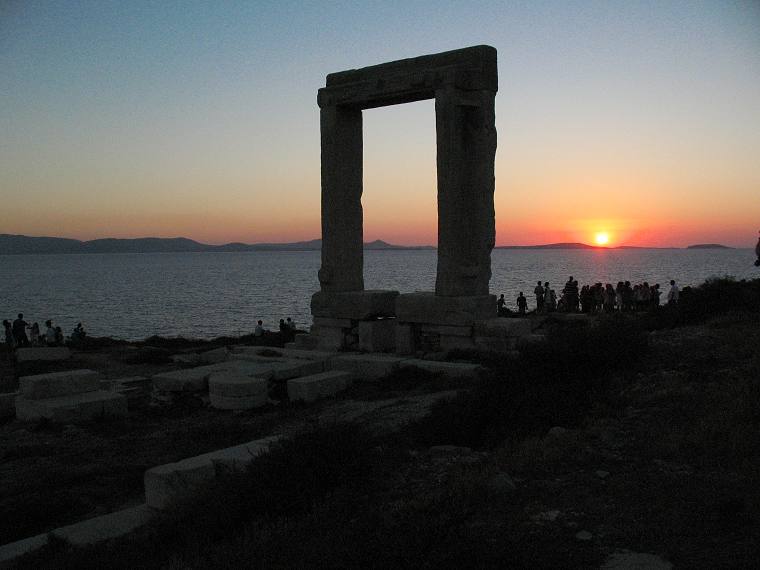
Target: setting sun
x: 602, y: 238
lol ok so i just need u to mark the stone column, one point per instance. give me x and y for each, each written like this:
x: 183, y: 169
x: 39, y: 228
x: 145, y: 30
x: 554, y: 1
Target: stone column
x: 342, y: 217
x: 466, y: 136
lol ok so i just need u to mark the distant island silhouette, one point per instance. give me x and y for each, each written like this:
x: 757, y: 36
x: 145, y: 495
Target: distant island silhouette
x: 11, y: 244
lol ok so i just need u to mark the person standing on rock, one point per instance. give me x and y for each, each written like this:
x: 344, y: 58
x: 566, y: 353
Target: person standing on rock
x: 500, y: 302
x: 539, y: 291
x: 9, y: 340
x: 522, y: 303
x: 19, y: 331
x: 49, y: 333
x: 673, y: 293
x: 757, y: 251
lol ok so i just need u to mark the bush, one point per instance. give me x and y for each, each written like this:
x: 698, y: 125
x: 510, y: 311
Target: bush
x: 551, y: 383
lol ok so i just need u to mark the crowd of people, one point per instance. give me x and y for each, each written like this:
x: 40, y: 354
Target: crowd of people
x: 593, y: 299
x: 16, y: 334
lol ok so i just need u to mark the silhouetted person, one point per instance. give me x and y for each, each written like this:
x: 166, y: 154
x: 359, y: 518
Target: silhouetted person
x: 49, y: 333
x: 285, y: 331
x: 59, y: 336
x: 10, y: 342
x: 522, y: 303
x: 291, y: 324
x: 259, y: 330
x: 539, y: 291
x: 673, y: 293
x: 19, y: 331
x: 35, y: 334
x: 757, y: 252
x: 550, y: 299
x: 500, y: 302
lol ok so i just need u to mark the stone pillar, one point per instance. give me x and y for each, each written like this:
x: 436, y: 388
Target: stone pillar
x: 466, y: 137
x: 342, y: 217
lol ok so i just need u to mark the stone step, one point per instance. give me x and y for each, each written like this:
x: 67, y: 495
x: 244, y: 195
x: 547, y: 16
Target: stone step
x: 73, y: 408
x: 84, y: 533
x: 315, y: 386
x: 165, y: 483
x: 56, y: 384
x: 42, y: 353
x: 196, y: 379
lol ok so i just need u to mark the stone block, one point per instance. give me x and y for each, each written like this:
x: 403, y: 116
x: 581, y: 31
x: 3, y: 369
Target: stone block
x: 503, y: 327
x: 196, y: 379
x: 494, y: 344
x: 8, y: 405
x: 56, y: 384
x: 73, y: 408
x: 405, y: 338
x: 438, y: 310
x: 166, y: 483
x: 456, y: 343
x: 447, y: 369
x: 367, y: 366
x: 335, y: 323
x: 237, y: 402
x: 46, y: 353
x: 233, y: 385
x: 295, y: 368
x: 190, y: 358
x: 310, y: 388
x: 377, y: 336
x: 17, y: 549
x: 306, y: 341
x: 329, y: 338
x: 99, y: 529
x: 447, y: 330
x: 214, y: 356
x: 356, y: 305
x: 323, y: 355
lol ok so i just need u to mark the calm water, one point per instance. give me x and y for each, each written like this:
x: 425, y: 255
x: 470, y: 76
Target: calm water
x: 204, y: 295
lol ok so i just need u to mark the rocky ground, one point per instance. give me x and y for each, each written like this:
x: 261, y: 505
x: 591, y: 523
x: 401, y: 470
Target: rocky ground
x: 663, y: 470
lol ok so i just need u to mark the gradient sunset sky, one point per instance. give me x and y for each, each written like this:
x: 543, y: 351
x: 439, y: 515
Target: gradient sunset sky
x: 199, y: 119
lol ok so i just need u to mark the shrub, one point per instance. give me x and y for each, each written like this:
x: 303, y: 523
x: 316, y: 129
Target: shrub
x: 551, y: 383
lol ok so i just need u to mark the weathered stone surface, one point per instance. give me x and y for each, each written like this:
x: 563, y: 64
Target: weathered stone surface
x: 233, y: 385
x: 367, y: 366
x: 500, y: 327
x: 413, y: 79
x: 457, y: 343
x: 13, y: 550
x: 237, y: 402
x: 47, y: 353
x: 434, y: 309
x: 294, y: 368
x: 196, y: 379
x: 377, y: 336
x: 73, y: 408
x: 306, y: 341
x: 214, y: 356
x: 342, y: 214
x: 323, y: 355
x: 58, y: 384
x: 405, y: 338
x: 310, y: 388
x: 448, y: 369
x: 165, y: 483
x: 627, y: 560
x: 494, y: 343
x: 335, y: 323
x: 329, y: 338
x: 98, y: 529
x: 8, y: 404
x: 448, y: 330
x: 355, y: 305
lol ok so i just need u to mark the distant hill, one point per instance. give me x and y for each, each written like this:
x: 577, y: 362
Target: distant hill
x: 564, y: 245
x: 20, y: 244
x: 708, y: 246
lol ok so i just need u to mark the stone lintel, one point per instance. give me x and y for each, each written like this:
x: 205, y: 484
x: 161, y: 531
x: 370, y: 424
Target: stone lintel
x: 357, y: 305
x: 432, y: 309
x: 413, y: 79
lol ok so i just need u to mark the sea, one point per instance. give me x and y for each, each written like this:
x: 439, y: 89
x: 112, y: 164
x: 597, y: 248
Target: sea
x: 206, y: 295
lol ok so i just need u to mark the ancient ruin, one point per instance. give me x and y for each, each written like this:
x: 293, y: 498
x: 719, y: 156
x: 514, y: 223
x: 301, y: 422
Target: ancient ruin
x: 464, y: 84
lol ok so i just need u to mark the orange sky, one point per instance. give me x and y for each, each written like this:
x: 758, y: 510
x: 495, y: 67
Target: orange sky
x: 202, y: 122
